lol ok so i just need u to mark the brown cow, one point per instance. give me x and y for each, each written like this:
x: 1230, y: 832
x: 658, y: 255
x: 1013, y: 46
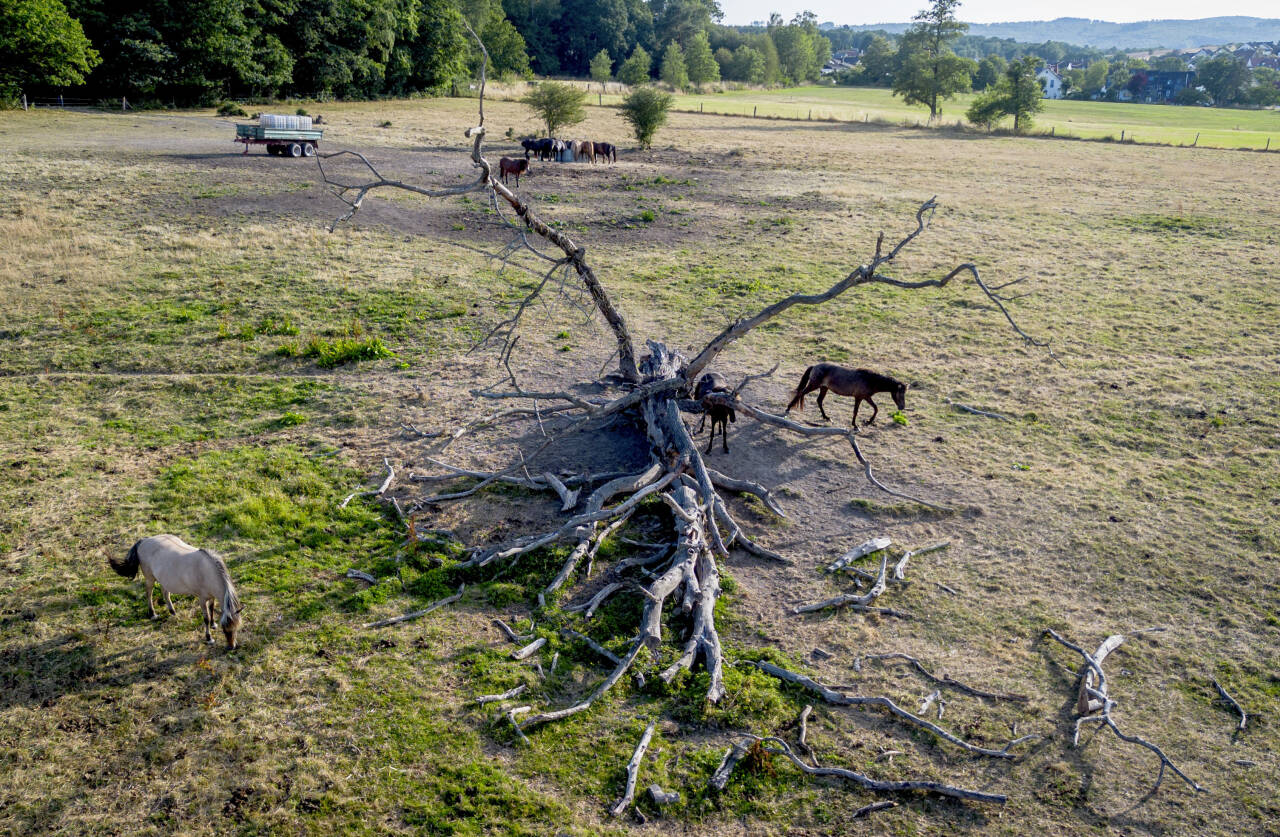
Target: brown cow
x: 508, y: 166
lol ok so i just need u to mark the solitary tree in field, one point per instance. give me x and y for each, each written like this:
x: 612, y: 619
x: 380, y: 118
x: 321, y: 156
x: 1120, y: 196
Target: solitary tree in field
x: 557, y: 104
x: 1017, y: 94
x: 602, y: 67
x: 700, y: 62
x: 929, y: 72
x: 990, y: 71
x: 674, y: 72
x: 646, y: 109
x: 635, y: 70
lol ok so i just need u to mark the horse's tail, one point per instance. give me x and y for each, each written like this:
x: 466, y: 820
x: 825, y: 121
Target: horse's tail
x: 129, y: 566
x: 797, y: 400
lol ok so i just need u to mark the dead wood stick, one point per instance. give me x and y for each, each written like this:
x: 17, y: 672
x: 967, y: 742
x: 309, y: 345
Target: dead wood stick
x: 929, y: 699
x: 965, y: 408
x: 378, y: 492
x: 862, y: 549
x: 781, y: 748
x: 592, y: 644
x: 568, y: 499
x: 661, y: 798
x: 529, y: 650
x: 395, y: 620
x: 1232, y: 701
x: 512, y: 635
x: 946, y: 681
x: 804, y: 733
x: 900, y: 568
x: 605, y: 686
x: 861, y: 603
x: 840, y: 699
x: 868, y: 810
x: 361, y: 576
x: 732, y: 756
x: 507, y: 695
x: 633, y: 772
x: 590, y: 606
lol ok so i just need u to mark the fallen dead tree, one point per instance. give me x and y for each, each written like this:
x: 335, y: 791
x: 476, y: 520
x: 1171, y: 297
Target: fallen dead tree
x: 645, y: 396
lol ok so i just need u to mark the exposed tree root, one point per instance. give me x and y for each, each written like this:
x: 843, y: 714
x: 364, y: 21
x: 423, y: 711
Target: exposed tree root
x: 1230, y: 701
x: 945, y: 681
x: 1094, y: 705
x: 780, y: 747
x: 840, y: 699
x: 417, y: 614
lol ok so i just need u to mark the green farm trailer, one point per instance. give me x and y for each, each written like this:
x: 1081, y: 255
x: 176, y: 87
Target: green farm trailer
x: 284, y: 136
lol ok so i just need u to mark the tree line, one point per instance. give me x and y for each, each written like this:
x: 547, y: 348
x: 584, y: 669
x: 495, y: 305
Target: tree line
x: 200, y: 51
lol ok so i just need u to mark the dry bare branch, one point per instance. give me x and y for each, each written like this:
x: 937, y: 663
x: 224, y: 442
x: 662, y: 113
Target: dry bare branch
x: 900, y: 568
x: 378, y: 492
x: 840, y: 699
x: 781, y: 748
x: 633, y: 772
x: 529, y: 650
x: 395, y: 620
x: 1093, y: 698
x: 507, y: 695
x: 1233, y: 704
x: 720, y: 778
x: 859, y: 551
x: 946, y: 681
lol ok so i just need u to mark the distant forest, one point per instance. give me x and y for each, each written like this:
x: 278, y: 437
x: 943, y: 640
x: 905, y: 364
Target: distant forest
x: 1147, y: 34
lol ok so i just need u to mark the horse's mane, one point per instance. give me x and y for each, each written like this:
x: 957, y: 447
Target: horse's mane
x: 880, y: 380
x: 221, y: 566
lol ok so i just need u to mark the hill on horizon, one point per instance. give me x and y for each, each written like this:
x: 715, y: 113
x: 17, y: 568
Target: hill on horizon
x: 1145, y: 34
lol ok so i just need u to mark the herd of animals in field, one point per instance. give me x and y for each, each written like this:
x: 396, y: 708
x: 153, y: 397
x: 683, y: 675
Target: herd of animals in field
x: 184, y: 570
x: 546, y: 148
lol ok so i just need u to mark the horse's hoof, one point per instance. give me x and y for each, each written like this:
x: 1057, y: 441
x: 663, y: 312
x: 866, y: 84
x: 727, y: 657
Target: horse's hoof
x: 155, y: 617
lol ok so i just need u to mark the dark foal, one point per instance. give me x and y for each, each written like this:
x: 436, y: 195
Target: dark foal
x: 508, y: 166
x: 718, y: 413
x: 859, y: 384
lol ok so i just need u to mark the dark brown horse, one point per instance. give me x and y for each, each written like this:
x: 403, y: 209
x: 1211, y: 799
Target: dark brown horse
x: 606, y: 152
x: 508, y: 166
x: 860, y: 384
x: 714, y: 382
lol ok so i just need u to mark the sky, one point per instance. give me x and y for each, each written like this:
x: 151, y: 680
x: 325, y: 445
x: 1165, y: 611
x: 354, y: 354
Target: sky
x: 997, y: 11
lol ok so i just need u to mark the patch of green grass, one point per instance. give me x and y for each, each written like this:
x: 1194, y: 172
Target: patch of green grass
x: 1203, y: 225
x: 337, y: 352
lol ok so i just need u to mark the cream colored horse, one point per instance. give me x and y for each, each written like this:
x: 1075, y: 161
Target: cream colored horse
x: 181, y: 569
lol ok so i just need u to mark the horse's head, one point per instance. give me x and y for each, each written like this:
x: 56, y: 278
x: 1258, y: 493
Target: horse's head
x: 900, y: 396
x: 230, y: 624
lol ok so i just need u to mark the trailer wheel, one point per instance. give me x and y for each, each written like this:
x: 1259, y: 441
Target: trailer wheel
x: 273, y: 150
x: 295, y: 149
x: 308, y: 150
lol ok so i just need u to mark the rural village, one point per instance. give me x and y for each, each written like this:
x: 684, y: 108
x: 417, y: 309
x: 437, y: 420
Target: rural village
x: 490, y: 418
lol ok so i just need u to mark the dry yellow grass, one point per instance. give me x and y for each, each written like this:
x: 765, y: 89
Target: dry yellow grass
x: 145, y: 278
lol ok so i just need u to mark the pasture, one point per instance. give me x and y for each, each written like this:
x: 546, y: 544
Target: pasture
x: 1158, y: 124
x: 185, y: 348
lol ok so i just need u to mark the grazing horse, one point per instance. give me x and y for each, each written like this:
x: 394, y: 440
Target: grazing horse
x: 556, y: 149
x: 508, y: 166
x: 587, y: 149
x: 607, y: 152
x: 181, y: 569
x: 718, y: 413
x: 860, y: 384
x: 574, y: 147
x: 542, y: 147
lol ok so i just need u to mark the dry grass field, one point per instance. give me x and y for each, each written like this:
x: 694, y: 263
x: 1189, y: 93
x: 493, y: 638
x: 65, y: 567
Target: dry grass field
x: 185, y: 347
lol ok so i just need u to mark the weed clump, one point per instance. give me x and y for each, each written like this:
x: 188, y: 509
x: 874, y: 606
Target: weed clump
x: 338, y: 352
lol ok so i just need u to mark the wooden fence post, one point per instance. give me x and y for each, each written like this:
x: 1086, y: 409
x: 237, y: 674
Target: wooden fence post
x: 754, y: 110
x: 1197, y: 140
x: 24, y: 101
x: 1122, y: 135
x: 1268, y: 148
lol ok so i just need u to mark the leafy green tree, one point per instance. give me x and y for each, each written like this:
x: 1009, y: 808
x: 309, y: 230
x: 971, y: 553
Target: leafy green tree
x: 1224, y: 78
x: 1018, y: 94
x: 1168, y: 64
x: 41, y: 44
x: 1095, y: 77
x: 673, y: 70
x: 635, y: 70
x: 699, y: 61
x: 602, y: 67
x: 1265, y: 91
x: 929, y: 71
x: 1192, y: 96
x: 990, y: 71
x: 879, y: 63
x: 645, y: 108
x: 557, y: 104
x: 508, y: 55
x: 743, y: 64
x: 431, y: 58
x: 679, y: 20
